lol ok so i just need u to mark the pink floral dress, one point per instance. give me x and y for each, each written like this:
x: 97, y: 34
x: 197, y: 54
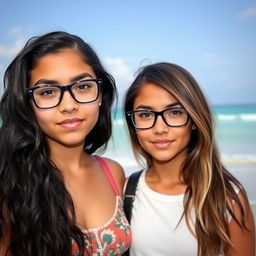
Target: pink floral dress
x: 112, y: 238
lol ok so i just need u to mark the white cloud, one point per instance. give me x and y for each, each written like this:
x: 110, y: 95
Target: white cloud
x: 120, y: 71
x: 248, y: 13
x: 15, y: 31
x: 117, y: 65
x: 9, y: 51
x: 209, y: 56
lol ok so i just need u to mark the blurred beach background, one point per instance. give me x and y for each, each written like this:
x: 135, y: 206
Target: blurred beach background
x: 214, y: 40
x: 235, y: 135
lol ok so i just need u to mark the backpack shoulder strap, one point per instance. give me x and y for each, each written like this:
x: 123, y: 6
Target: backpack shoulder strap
x: 129, y: 194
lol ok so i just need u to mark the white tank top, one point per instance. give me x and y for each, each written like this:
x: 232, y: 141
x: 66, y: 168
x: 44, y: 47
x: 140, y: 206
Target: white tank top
x: 155, y: 226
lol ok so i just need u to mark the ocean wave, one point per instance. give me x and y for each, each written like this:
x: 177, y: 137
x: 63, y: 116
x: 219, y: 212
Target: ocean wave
x: 118, y: 122
x: 248, y: 117
x: 227, y: 117
x: 239, y: 158
x: 234, y: 117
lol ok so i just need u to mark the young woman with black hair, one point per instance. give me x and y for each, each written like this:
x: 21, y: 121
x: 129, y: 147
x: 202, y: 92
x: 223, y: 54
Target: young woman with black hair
x: 56, y: 197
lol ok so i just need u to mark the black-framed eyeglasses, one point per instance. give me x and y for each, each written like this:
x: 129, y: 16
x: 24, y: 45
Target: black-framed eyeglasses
x: 146, y: 119
x: 50, y: 95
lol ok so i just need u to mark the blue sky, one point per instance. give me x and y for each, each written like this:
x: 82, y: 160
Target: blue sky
x: 215, y: 40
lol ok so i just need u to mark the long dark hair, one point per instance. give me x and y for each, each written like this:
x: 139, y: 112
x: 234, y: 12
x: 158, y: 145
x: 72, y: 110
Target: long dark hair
x: 34, y: 204
x: 209, y: 185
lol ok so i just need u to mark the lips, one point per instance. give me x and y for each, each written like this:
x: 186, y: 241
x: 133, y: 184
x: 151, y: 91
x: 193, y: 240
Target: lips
x: 70, y: 123
x: 162, y: 143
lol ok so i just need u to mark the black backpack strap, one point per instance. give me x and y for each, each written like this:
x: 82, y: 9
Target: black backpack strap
x: 129, y: 194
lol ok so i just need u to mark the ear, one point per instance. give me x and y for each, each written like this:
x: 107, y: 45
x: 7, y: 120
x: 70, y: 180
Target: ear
x: 193, y: 126
x: 100, y: 99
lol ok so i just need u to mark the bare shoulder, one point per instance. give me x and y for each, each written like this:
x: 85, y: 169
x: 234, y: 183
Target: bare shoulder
x: 243, y: 238
x: 5, y: 240
x: 117, y: 171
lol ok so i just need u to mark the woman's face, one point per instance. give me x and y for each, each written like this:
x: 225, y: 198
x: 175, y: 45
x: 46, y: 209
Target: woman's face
x: 162, y: 142
x: 70, y: 122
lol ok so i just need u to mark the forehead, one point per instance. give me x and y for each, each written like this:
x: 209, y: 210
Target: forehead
x: 153, y: 96
x: 61, y: 66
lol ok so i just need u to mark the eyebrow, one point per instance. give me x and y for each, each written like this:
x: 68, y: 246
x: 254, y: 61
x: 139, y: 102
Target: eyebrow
x: 74, y: 79
x: 175, y: 104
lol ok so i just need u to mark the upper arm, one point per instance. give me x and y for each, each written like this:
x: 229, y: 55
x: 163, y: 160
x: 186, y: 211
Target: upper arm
x: 4, y: 244
x: 243, y: 239
x: 118, y: 173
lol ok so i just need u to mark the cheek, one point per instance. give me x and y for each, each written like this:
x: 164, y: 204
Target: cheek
x: 90, y: 113
x: 185, y: 135
x: 142, y: 137
x: 43, y: 117
x: 95, y: 117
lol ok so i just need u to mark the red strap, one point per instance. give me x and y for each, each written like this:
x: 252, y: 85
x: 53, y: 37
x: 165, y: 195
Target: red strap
x: 108, y: 173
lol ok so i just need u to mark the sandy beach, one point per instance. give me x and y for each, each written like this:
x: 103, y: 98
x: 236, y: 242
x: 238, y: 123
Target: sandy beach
x: 245, y: 172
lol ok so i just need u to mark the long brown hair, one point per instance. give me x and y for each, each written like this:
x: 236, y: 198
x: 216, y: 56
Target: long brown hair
x: 210, y: 187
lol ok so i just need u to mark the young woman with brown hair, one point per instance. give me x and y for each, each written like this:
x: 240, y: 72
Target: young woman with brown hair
x: 186, y: 202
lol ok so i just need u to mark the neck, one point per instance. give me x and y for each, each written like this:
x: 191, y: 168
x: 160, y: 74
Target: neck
x: 166, y: 170
x: 164, y: 177
x: 68, y: 159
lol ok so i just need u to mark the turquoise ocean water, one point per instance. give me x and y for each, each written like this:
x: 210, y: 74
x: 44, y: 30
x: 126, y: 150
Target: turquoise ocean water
x: 235, y: 134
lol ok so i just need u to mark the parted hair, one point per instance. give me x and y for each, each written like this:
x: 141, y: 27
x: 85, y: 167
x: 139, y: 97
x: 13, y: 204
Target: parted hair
x: 210, y: 186
x: 35, y: 206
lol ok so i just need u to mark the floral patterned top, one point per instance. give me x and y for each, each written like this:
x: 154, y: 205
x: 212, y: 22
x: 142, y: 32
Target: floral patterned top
x: 113, y: 237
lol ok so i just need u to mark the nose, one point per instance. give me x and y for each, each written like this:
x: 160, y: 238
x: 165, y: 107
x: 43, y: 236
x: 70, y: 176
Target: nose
x: 160, y: 126
x: 68, y: 104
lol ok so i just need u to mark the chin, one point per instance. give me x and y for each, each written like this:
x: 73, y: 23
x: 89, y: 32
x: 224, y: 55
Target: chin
x: 72, y: 143
x: 164, y: 159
